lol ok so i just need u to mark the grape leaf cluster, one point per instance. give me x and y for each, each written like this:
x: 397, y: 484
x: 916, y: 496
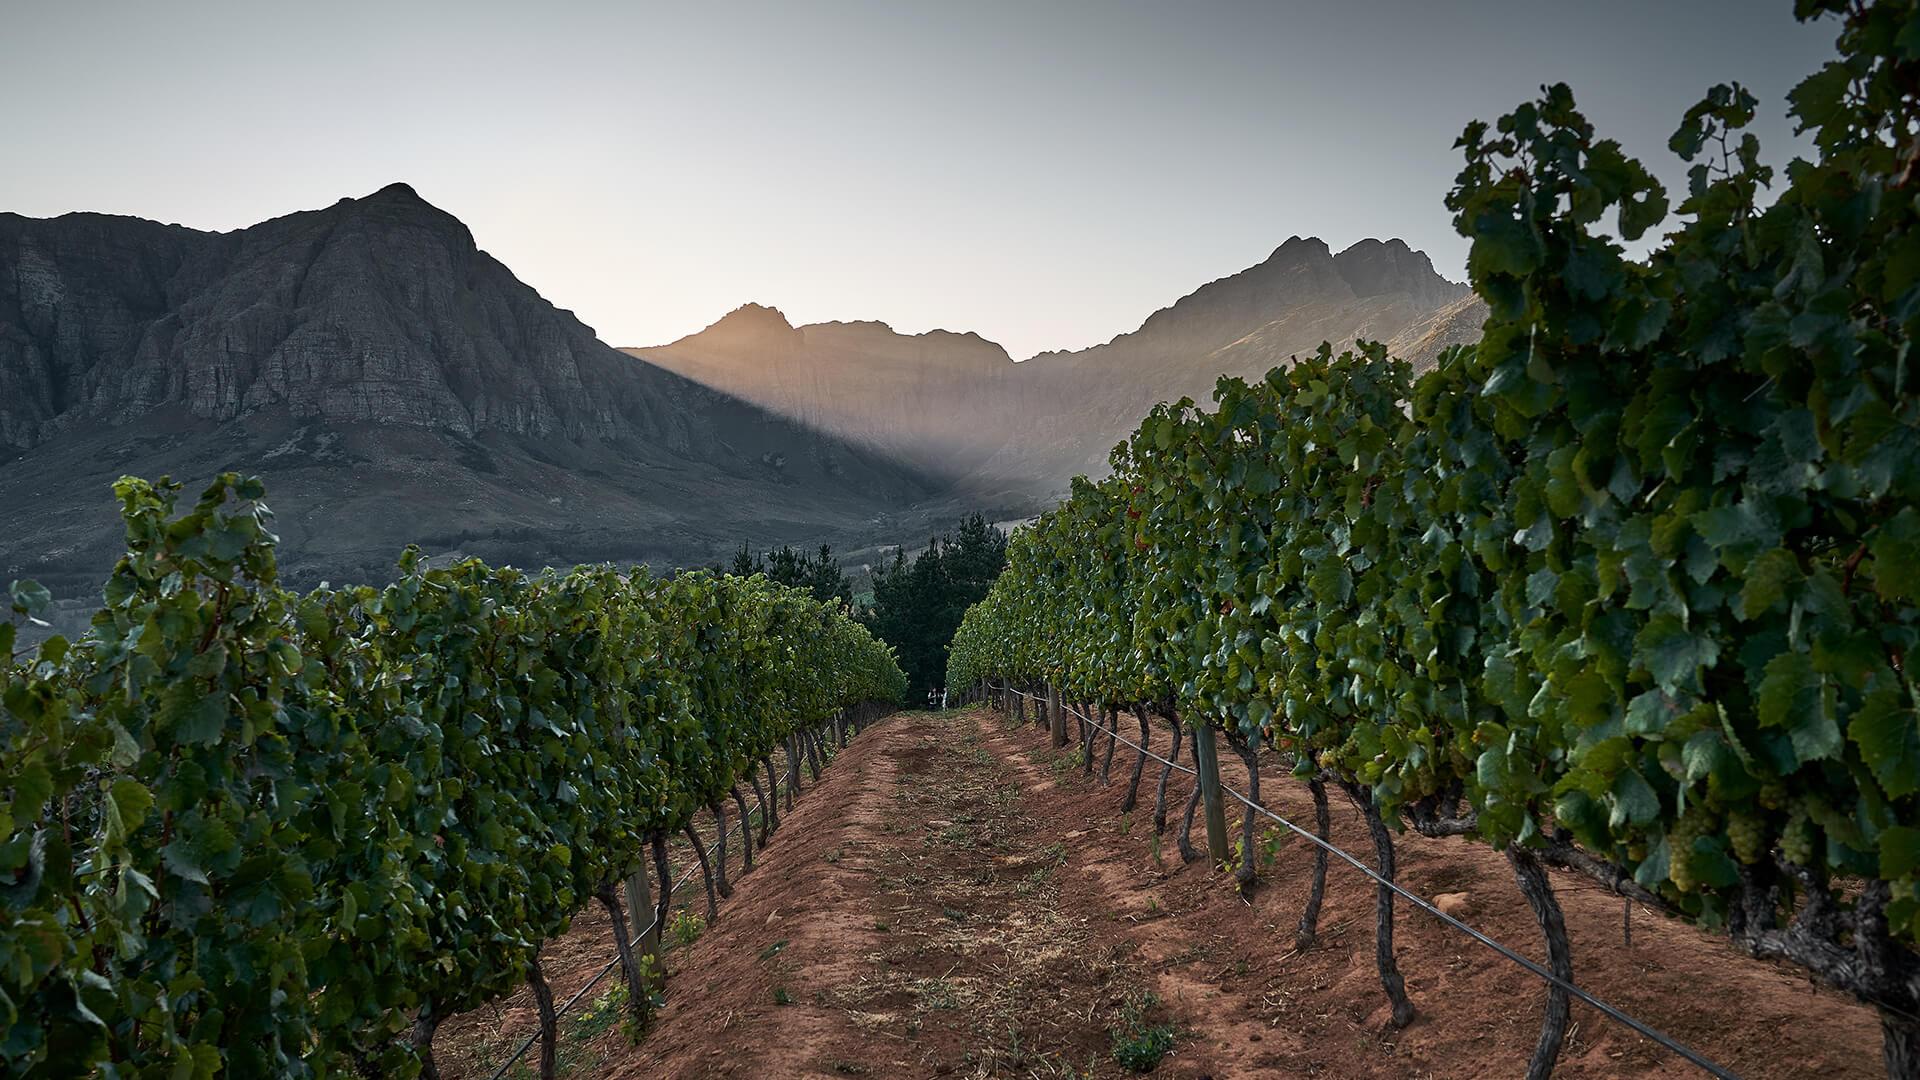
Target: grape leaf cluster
x: 255, y: 833
x: 1638, y: 573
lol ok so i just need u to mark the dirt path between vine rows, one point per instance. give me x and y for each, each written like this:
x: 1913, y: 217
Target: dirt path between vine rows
x: 955, y: 898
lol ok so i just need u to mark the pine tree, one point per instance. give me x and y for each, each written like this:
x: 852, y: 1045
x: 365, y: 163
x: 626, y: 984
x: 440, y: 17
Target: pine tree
x: 918, y: 605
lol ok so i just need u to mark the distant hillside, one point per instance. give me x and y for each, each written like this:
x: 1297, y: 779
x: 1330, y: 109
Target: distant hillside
x: 393, y: 383
x: 916, y: 397
x: 1010, y: 435
x: 396, y: 384
x: 1422, y: 342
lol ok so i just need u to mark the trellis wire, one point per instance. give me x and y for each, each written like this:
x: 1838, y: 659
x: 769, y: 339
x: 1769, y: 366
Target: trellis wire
x: 746, y: 823
x: 1421, y: 902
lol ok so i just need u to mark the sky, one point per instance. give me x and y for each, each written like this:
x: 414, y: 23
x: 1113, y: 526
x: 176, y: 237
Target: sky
x: 1043, y: 172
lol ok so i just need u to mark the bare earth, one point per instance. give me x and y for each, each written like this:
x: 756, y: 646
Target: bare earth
x: 955, y: 899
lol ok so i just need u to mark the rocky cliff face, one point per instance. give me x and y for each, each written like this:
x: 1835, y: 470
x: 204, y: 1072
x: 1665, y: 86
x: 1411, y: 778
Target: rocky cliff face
x: 393, y: 382
x: 1422, y: 342
x: 1012, y: 435
x: 377, y: 310
x: 77, y: 291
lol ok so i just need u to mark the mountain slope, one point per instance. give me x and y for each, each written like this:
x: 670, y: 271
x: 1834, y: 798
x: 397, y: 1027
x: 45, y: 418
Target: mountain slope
x: 914, y: 397
x: 393, y: 383
x: 1422, y: 342
x: 1009, y: 436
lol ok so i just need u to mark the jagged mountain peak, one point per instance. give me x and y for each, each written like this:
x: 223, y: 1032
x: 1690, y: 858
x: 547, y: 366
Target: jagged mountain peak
x: 753, y: 332
x: 752, y: 314
x: 1392, y: 243
x: 750, y: 327
x: 395, y: 205
x: 399, y: 198
x: 879, y: 331
x: 1373, y: 267
x: 1298, y: 249
x: 398, y: 191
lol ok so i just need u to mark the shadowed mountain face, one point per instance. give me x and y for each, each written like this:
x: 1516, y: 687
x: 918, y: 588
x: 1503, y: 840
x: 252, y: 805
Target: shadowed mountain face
x: 393, y: 384
x: 1010, y: 435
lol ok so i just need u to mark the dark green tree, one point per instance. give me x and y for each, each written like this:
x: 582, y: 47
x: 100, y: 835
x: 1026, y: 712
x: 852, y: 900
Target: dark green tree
x: 820, y: 573
x: 918, y: 605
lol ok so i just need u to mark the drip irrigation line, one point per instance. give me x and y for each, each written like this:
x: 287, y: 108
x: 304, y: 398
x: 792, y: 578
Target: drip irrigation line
x: 746, y: 824
x: 1422, y: 903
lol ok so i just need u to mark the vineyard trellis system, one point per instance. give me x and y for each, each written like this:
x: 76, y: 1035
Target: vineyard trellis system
x: 1630, y: 586
x: 369, y: 807
x: 715, y: 851
x: 1421, y: 902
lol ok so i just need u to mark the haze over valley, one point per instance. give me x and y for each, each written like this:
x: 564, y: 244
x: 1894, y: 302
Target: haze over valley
x: 395, y: 384
x: 1008, y: 434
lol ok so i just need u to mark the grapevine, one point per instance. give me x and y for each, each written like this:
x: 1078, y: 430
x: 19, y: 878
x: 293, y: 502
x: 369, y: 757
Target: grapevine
x: 1629, y: 586
x: 368, y: 807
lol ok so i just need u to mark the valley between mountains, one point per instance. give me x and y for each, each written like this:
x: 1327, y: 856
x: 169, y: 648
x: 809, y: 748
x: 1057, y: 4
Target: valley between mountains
x: 393, y: 383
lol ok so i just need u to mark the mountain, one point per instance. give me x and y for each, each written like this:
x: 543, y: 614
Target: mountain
x: 1010, y: 435
x: 1422, y: 342
x: 914, y: 397
x: 393, y: 383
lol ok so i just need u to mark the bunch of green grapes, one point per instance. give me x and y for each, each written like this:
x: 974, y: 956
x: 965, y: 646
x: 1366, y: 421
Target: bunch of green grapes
x: 1748, y: 832
x: 1698, y: 821
x: 1797, y: 838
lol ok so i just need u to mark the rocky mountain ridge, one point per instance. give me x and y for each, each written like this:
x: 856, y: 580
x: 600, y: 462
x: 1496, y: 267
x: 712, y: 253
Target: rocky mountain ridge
x: 378, y: 310
x: 396, y: 384
x: 393, y: 383
x: 1011, y: 434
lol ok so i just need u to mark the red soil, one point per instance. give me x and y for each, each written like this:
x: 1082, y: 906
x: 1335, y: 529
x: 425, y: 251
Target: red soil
x: 956, y: 899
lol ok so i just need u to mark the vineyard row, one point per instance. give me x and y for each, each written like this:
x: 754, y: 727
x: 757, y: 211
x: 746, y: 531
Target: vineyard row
x: 638, y: 948
x: 1207, y: 779
x: 258, y: 833
x: 1631, y: 585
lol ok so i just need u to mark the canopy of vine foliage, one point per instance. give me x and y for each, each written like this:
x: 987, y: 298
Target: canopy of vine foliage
x: 1640, y: 571
x: 256, y: 833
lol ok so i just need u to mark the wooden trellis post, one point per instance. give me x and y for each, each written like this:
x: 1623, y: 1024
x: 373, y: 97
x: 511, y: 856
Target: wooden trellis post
x: 1208, y: 764
x: 646, y: 931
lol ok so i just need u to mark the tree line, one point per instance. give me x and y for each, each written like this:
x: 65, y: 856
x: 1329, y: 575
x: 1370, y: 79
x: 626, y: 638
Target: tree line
x: 917, y: 603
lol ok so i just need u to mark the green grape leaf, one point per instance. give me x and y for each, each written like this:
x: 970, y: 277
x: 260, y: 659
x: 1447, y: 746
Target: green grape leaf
x: 32, y: 787
x: 1737, y: 532
x: 1634, y: 800
x: 204, y: 723
x: 1796, y: 697
x: 30, y: 598
x: 1899, y: 851
x: 1769, y: 580
x: 1886, y: 728
x: 1895, y: 566
x: 1672, y: 653
x: 132, y: 799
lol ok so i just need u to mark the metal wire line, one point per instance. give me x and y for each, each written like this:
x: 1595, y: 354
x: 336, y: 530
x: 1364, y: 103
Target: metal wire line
x: 685, y: 876
x: 1421, y: 902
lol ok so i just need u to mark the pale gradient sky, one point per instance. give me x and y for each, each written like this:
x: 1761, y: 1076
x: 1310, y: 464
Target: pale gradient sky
x: 1044, y: 173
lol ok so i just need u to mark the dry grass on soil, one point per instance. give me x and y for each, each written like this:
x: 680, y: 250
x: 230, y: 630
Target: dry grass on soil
x: 955, y: 898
